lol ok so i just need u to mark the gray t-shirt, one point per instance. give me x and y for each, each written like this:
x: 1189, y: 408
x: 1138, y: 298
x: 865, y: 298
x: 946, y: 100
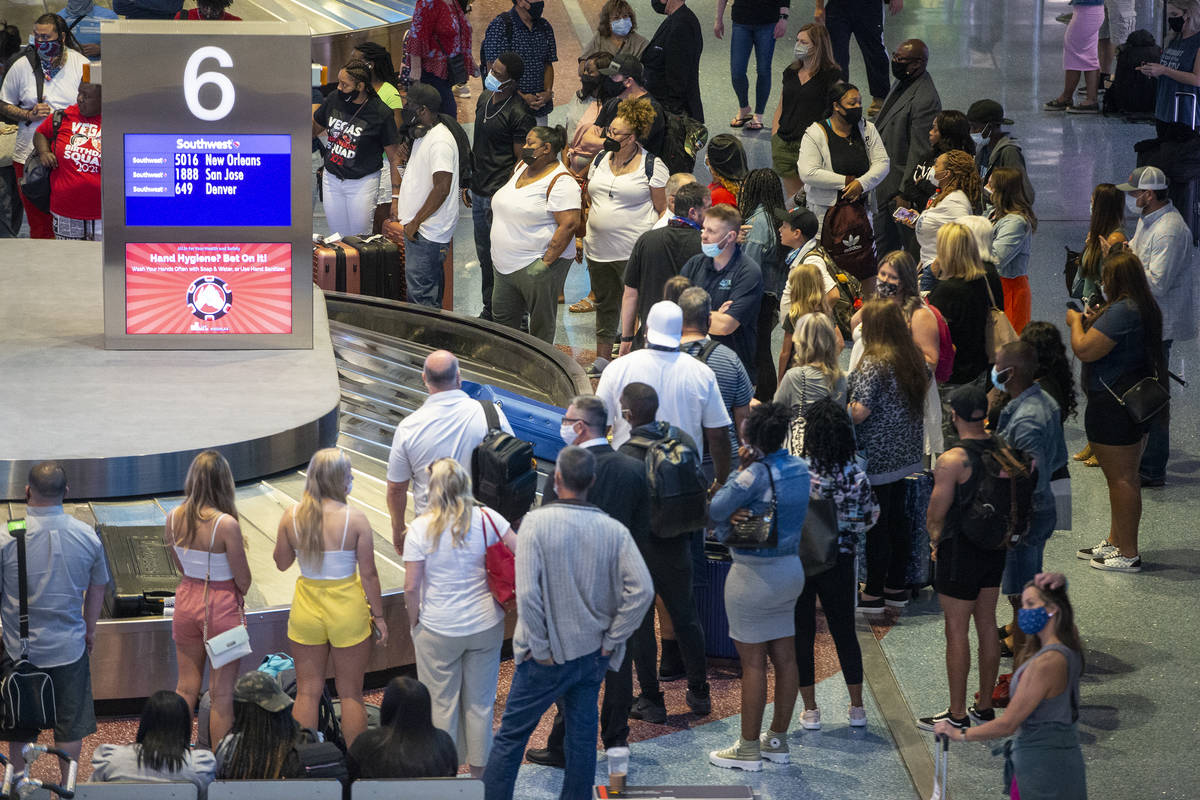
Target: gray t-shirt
x: 63, y: 557
x: 119, y: 762
x: 804, y: 385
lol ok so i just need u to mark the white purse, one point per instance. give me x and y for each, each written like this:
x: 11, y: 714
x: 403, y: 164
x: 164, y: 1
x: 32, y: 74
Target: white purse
x: 233, y: 644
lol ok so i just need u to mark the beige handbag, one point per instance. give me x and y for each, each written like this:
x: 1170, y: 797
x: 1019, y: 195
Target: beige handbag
x: 8, y: 143
x: 998, y: 331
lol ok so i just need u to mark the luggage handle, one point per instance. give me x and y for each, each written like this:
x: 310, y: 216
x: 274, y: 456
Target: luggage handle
x: 1193, y: 97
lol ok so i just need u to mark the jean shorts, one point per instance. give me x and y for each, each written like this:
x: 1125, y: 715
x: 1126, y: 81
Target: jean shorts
x: 1024, y: 561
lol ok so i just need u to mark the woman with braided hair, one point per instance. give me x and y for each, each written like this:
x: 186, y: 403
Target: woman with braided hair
x: 959, y: 194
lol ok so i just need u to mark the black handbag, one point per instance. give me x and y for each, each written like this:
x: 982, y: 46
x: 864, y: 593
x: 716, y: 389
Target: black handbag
x: 456, y: 69
x: 26, y: 692
x: 757, y: 532
x: 819, y: 538
x: 1143, y: 400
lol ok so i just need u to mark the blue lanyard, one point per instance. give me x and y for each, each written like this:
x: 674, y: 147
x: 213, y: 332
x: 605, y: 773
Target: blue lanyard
x: 678, y: 220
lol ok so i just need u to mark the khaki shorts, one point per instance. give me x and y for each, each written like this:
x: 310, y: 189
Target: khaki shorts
x: 784, y: 155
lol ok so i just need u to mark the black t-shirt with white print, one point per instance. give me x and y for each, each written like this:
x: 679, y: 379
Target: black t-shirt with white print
x: 357, y: 135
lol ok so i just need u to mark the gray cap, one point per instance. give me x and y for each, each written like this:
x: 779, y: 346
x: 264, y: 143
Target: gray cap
x: 1144, y: 178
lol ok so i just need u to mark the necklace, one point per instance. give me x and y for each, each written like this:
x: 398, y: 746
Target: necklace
x: 486, y: 117
x: 614, y: 168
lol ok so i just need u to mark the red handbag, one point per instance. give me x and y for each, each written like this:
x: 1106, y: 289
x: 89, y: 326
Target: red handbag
x: 501, y: 567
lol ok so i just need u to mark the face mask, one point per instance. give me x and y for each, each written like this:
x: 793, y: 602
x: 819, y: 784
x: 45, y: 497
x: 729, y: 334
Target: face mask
x: 1131, y: 205
x: 978, y: 139
x: 347, y: 97
x: 589, y: 86
x: 852, y: 115
x: 492, y: 83
x: 621, y: 27
x: 886, y: 289
x: 567, y: 432
x: 900, y: 70
x: 48, y: 51
x: 608, y: 88
x: 801, y: 51
x: 712, y: 249
x: 527, y: 154
x: 1031, y: 621
x: 611, y: 145
x: 536, y: 9
x: 659, y: 6
x: 932, y: 178
x: 1175, y: 24
x: 996, y: 380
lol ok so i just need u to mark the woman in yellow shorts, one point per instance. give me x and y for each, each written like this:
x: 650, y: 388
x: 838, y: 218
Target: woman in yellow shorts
x: 332, y: 610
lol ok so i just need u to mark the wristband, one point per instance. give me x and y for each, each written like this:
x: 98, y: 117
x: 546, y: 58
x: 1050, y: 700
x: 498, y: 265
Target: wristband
x: 626, y: 338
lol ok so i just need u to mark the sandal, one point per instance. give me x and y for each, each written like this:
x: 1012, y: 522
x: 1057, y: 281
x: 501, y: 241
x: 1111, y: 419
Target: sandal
x: 1056, y: 105
x: 584, y: 306
x: 741, y: 120
x: 1092, y: 462
x: 755, y: 124
x: 1084, y: 454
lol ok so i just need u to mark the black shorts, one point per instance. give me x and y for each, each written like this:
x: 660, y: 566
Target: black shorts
x: 1107, y: 422
x: 75, y: 714
x: 962, y: 569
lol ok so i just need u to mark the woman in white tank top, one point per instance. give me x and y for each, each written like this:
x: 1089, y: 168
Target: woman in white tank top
x: 333, y: 609
x: 206, y: 544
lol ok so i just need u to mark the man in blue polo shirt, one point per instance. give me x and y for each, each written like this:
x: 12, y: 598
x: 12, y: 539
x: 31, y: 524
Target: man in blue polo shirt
x: 523, y: 30
x: 732, y: 280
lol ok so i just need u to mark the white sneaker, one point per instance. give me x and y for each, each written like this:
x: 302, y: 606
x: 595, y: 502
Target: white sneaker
x: 1102, y: 550
x: 810, y: 720
x: 858, y: 717
x: 462, y: 90
x: 1117, y: 563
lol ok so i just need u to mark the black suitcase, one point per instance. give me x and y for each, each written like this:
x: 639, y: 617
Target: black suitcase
x: 1180, y: 162
x: 141, y: 572
x: 382, y: 264
x: 710, y: 601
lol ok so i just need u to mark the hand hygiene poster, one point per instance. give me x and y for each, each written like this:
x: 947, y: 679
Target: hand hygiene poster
x: 208, y: 288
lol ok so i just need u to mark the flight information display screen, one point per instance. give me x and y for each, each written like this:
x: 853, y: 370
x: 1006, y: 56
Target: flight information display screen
x: 191, y: 180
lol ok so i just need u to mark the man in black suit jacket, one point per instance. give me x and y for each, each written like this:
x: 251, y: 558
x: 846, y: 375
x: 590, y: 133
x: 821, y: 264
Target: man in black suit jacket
x: 621, y: 491
x: 672, y: 59
x: 903, y: 124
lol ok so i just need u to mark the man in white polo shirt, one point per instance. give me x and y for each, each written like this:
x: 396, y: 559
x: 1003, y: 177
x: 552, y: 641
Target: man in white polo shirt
x: 449, y: 424
x: 688, y: 395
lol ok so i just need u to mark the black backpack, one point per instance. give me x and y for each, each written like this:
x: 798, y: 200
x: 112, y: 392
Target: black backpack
x: 849, y: 292
x: 678, y: 490
x: 996, y: 515
x: 1132, y: 92
x: 683, y: 138
x: 503, y: 469
x: 466, y: 156
x: 320, y: 759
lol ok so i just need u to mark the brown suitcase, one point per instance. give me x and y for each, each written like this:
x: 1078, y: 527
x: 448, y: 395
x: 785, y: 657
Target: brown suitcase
x: 394, y: 231
x: 336, y: 267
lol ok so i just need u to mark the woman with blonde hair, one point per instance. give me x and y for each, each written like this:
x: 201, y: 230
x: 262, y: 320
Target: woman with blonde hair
x: 959, y: 194
x: 205, y: 542
x: 816, y: 375
x: 457, y: 626
x: 334, y: 609
x: 962, y: 295
x: 806, y: 289
x: 804, y: 100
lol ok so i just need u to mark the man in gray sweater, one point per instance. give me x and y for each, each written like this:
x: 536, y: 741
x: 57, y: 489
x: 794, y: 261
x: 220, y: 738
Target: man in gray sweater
x: 582, y: 590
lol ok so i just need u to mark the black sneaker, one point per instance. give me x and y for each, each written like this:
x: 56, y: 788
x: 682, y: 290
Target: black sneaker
x: 547, y: 757
x: 980, y: 715
x: 875, y: 606
x: 670, y: 666
x: 895, y: 599
x: 699, y: 701
x: 927, y: 723
x: 647, y: 710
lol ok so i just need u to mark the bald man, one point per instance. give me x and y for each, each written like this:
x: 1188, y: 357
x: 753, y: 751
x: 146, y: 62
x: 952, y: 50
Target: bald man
x: 449, y: 424
x: 673, y: 185
x: 903, y: 124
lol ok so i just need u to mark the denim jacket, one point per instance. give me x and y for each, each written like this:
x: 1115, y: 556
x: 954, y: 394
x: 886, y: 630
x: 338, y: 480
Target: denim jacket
x: 750, y: 488
x: 1030, y: 422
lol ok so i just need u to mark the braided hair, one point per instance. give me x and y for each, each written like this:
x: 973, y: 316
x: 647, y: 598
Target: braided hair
x: 360, y: 72
x: 762, y: 189
x: 964, y: 175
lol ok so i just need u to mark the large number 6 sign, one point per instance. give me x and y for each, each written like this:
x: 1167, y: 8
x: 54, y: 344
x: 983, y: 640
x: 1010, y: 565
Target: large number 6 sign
x: 193, y: 80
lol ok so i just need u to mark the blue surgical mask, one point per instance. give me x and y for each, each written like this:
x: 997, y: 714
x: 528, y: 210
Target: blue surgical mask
x: 567, y: 431
x: 621, y: 27
x: 1031, y: 621
x: 711, y: 249
x: 978, y: 139
x: 997, y: 382
x: 1131, y: 205
x: 492, y: 83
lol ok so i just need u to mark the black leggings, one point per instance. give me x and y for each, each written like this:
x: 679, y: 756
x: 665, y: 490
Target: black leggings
x: 835, y: 587
x: 888, y: 545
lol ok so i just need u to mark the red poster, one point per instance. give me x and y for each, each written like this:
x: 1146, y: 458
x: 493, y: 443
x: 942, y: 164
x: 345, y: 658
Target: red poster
x: 208, y: 288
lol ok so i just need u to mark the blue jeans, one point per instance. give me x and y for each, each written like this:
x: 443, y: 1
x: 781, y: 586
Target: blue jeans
x: 1158, y: 439
x: 423, y: 271
x: 1025, y: 560
x: 864, y: 20
x: 481, y: 216
x: 534, y: 689
x: 762, y: 39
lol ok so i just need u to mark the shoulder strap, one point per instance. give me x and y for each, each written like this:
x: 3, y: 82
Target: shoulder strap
x: 78, y: 20
x: 23, y: 591
x: 489, y: 411
x: 345, y: 526
x: 554, y: 180
x: 707, y: 350
x: 55, y: 125
x: 991, y: 297
x: 38, y: 78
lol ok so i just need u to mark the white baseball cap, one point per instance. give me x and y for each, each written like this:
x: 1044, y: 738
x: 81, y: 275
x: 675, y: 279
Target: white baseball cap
x: 664, y: 324
x: 1143, y: 179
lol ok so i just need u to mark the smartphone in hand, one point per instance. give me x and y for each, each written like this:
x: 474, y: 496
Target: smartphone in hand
x: 905, y: 215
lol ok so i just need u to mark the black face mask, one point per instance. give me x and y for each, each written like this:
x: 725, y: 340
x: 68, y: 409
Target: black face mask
x: 527, y: 155
x: 852, y: 115
x: 611, y: 145
x: 609, y: 89
x: 536, y: 9
x: 411, y: 126
x: 589, y: 86
x: 1175, y: 24
x: 347, y: 97
x: 659, y: 6
x: 900, y: 70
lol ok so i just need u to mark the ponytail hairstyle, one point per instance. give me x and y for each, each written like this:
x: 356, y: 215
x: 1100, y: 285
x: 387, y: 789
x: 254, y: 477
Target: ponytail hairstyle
x: 328, y: 479
x: 1063, y: 622
x: 556, y: 137
x: 450, y: 501
x: 361, y: 72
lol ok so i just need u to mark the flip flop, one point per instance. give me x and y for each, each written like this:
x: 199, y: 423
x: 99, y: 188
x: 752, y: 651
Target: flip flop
x: 740, y: 121
x: 753, y: 125
x: 584, y: 306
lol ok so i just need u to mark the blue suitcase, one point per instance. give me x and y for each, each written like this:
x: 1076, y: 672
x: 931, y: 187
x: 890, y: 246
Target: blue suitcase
x: 532, y: 421
x: 710, y: 602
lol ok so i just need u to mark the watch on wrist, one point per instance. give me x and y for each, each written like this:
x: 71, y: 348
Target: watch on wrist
x: 626, y: 338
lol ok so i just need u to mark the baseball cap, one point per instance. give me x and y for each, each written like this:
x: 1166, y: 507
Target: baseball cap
x: 1144, y: 178
x: 985, y: 112
x: 624, y: 64
x: 422, y: 94
x: 262, y: 690
x: 800, y: 219
x: 664, y: 324
x: 970, y: 403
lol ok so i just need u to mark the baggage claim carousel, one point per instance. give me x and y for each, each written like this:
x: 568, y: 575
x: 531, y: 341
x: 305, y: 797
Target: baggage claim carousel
x: 378, y: 347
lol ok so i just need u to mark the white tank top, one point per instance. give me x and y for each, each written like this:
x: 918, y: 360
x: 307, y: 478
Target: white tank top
x: 200, y: 565
x: 335, y: 565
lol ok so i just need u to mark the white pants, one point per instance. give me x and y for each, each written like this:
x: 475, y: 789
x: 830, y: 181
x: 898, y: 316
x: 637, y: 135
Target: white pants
x: 349, y: 205
x: 461, y: 673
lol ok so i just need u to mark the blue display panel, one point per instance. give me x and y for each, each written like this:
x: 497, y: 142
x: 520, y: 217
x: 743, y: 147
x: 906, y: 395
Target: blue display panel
x: 217, y: 180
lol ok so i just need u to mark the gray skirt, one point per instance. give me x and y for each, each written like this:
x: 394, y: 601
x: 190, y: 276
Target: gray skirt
x: 760, y: 597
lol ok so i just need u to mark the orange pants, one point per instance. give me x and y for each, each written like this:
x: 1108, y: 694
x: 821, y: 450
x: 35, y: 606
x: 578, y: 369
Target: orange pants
x: 1018, y: 301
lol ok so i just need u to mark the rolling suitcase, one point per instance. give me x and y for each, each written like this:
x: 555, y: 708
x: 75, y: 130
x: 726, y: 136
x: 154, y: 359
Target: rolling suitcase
x: 392, y: 283
x: 710, y: 601
x: 336, y: 267
x: 381, y: 262
x: 917, y: 489
x: 141, y: 572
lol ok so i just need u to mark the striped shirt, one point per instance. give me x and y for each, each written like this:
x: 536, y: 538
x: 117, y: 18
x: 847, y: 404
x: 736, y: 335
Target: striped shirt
x: 732, y: 381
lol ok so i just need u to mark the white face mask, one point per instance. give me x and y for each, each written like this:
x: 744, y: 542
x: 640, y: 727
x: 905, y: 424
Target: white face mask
x: 932, y: 177
x: 1131, y: 205
x: 621, y: 27
x: 979, y: 140
x: 801, y: 51
x: 567, y: 431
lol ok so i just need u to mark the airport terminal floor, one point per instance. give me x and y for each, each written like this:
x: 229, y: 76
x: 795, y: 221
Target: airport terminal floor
x: 1141, y: 631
